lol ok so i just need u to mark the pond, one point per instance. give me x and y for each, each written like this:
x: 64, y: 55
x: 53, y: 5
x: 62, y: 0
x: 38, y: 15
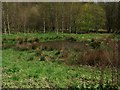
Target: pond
x: 65, y: 45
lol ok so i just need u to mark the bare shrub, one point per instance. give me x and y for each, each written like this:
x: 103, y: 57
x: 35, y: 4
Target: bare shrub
x: 96, y: 57
x: 19, y: 40
x: 24, y: 46
x: 35, y: 45
x: 99, y: 57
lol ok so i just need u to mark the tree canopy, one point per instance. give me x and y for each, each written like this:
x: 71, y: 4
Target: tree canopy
x: 70, y: 17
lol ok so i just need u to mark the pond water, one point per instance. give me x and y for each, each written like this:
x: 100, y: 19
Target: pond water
x: 65, y: 45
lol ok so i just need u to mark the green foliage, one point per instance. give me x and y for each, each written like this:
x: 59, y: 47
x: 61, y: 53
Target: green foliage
x: 21, y: 69
x: 70, y: 38
x: 95, y: 44
x: 57, y: 53
x: 47, y: 17
x: 92, y: 17
x: 42, y: 58
x: 17, y: 69
x: 50, y: 36
x: 72, y: 58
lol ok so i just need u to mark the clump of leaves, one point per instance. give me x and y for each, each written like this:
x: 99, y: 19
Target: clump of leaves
x: 13, y: 69
x: 70, y: 39
x: 42, y: 58
x: 30, y: 40
x: 31, y: 56
x: 57, y: 37
x: 72, y: 58
x: 38, y: 52
x: 19, y: 40
x: 13, y: 39
x: 4, y: 39
x: 95, y: 44
x: 35, y: 39
x: 57, y: 53
x: 15, y: 78
x: 44, y: 48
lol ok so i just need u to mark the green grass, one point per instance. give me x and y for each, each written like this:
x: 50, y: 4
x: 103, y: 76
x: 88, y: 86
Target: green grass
x: 21, y: 71
x: 18, y: 72
x: 54, y: 36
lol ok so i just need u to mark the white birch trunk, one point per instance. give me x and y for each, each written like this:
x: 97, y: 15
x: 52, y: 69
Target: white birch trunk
x: 4, y: 23
x: 62, y: 25
x: 44, y: 23
x: 8, y: 25
x: 70, y: 19
x: 56, y: 25
x: 62, y: 19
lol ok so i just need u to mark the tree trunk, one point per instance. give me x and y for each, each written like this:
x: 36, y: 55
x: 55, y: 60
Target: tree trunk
x: 4, y: 23
x: 56, y: 25
x: 70, y: 26
x: 76, y: 27
x: 76, y: 30
x: 28, y: 29
x: 62, y: 25
x: 70, y: 19
x: 5, y: 30
x: 56, y: 20
x: 44, y: 25
x: 109, y: 29
x: 24, y: 27
x: 18, y: 27
x: 8, y: 25
x: 62, y: 18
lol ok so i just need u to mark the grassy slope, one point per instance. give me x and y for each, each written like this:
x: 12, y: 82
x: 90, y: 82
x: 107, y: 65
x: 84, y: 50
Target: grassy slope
x: 18, y: 71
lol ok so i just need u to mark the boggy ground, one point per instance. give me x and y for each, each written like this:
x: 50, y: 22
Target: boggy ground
x: 95, y: 52
x: 63, y: 64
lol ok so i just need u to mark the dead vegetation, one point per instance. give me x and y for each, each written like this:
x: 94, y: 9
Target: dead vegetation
x: 98, y: 52
x: 105, y: 54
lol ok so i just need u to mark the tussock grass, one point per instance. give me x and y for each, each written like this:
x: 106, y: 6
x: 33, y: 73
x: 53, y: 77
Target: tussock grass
x: 43, y: 74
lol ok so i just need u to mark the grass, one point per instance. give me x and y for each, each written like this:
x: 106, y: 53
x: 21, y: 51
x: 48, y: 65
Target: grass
x: 53, y: 36
x: 12, y: 39
x: 21, y: 69
x: 18, y: 72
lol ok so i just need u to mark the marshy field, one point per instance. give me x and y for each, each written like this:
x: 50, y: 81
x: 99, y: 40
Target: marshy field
x: 60, y: 45
x: 73, y: 61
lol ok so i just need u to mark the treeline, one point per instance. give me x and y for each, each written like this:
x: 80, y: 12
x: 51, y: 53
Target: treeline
x: 63, y: 17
